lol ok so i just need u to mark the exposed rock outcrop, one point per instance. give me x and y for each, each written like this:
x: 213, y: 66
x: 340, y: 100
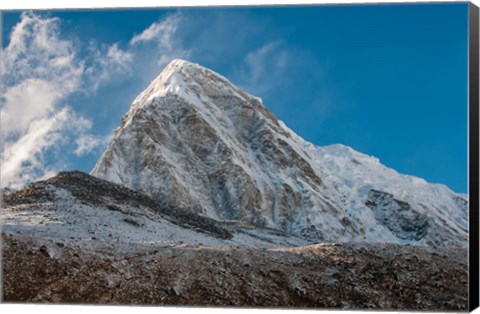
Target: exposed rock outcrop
x: 195, y: 141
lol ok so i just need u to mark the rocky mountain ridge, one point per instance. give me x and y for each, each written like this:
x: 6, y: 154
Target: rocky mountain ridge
x: 76, y: 208
x: 195, y: 141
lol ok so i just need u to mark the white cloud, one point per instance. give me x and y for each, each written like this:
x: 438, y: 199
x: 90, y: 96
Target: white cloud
x: 22, y: 159
x: 258, y: 60
x: 40, y: 70
x: 88, y: 143
x: 157, y: 45
x: 161, y: 32
x: 109, y: 63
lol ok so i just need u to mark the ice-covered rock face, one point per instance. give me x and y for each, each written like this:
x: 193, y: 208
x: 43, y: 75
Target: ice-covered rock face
x: 194, y: 140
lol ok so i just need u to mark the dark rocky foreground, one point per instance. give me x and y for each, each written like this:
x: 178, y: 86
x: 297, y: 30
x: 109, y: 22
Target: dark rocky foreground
x: 326, y: 276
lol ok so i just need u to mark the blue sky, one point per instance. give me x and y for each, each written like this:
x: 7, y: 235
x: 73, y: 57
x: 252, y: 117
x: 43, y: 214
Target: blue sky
x: 387, y: 80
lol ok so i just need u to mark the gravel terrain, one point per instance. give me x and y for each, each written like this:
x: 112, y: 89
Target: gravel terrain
x: 324, y: 275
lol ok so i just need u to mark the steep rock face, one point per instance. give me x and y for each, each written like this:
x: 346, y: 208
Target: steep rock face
x: 398, y: 216
x: 413, y: 210
x: 195, y: 141
x: 409, y: 223
x: 198, y: 142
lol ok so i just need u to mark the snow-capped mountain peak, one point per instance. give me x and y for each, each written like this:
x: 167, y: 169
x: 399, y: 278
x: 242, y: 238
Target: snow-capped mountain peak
x: 194, y: 140
x: 180, y: 77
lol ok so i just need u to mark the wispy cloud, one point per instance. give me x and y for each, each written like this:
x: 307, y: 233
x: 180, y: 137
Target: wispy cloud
x: 157, y: 45
x: 262, y: 66
x: 40, y: 70
x: 22, y: 159
x: 106, y: 64
x: 161, y: 32
x: 88, y: 143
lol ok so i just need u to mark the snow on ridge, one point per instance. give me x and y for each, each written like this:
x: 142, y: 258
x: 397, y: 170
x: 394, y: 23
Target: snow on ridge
x: 335, y: 153
x: 347, y: 175
x: 119, y: 225
x: 180, y: 75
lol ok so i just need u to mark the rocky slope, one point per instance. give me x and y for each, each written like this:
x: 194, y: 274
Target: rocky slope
x: 195, y: 141
x: 74, y: 208
x: 347, y: 276
x: 75, y: 238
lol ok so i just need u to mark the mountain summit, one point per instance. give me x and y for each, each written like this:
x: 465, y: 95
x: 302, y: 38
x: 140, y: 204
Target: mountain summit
x: 195, y: 141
